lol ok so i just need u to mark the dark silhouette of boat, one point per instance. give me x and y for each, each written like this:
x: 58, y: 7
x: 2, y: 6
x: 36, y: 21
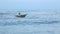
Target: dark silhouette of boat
x: 21, y: 16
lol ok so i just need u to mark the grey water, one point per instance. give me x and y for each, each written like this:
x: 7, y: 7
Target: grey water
x: 38, y: 22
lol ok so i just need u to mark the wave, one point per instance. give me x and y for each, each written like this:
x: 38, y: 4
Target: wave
x: 33, y: 18
x: 6, y: 23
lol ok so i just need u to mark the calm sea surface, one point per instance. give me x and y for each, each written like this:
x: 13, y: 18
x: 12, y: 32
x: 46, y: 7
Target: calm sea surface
x: 38, y: 22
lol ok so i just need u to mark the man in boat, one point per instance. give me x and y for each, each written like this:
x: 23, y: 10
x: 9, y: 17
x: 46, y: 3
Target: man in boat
x: 19, y: 13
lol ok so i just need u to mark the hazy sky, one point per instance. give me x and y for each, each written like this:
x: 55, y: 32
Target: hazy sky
x: 29, y: 4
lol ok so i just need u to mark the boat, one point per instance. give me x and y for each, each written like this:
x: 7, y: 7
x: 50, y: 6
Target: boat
x: 21, y: 16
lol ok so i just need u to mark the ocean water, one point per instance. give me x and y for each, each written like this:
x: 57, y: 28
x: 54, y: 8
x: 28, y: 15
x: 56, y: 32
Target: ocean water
x: 36, y: 22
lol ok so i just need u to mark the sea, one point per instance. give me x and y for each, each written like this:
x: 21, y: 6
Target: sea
x: 35, y: 22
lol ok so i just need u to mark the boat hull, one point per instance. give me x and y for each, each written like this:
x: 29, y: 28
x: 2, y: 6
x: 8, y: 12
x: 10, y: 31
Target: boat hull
x: 21, y: 16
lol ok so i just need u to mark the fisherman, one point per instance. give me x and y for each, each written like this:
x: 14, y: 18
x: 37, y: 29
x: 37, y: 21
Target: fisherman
x: 19, y: 13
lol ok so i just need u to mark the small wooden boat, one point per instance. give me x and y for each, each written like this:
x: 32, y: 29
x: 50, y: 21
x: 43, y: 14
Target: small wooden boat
x: 21, y: 16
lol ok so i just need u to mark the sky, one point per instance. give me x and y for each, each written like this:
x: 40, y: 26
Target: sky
x: 29, y: 4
